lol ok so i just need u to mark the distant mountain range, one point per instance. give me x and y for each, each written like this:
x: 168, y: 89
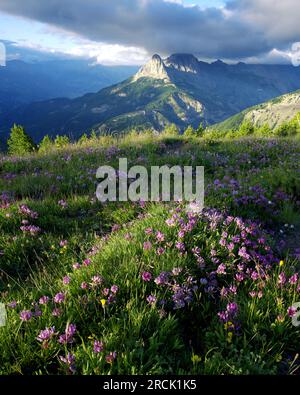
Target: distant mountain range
x: 273, y: 113
x: 22, y: 82
x: 180, y: 89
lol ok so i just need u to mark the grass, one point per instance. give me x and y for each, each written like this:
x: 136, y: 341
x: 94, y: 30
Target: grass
x: 219, y: 287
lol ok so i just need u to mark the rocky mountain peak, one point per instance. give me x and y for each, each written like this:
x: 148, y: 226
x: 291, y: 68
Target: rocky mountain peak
x: 155, y: 68
x: 187, y: 63
x: 219, y: 63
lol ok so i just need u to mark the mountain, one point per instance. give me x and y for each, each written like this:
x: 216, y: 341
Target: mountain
x: 180, y: 89
x: 25, y: 82
x: 273, y: 112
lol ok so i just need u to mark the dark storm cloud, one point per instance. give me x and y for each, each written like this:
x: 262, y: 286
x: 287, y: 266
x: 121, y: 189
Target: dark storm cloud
x: 244, y: 28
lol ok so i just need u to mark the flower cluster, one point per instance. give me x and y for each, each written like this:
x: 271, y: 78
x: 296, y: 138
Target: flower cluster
x: 174, y: 289
x: 25, y: 210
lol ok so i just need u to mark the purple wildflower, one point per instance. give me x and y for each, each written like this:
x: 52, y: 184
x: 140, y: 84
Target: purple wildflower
x: 281, y: 279
x: 180, y: 246
x: 44, y: 300
x: 151, y: 299
x: 254, y: 276
x: 46, y: 334
x: 221, y: 269
x: 115, y: 228
x: 59, y: 298
x: 147, y: 246
x: 56, y: 312
x: 25, y: 315
x: 67, y: 337
x: 181, y: 234
x: 160, y: 251
x: 176, y: 271
x: 38, y: 312
x: 98, y: 347
x: 97, y: 280
x: 69, y: 360
x: 160, y: 236
x: 260, y: 294
x: 162, y: 279
x: 146, y: 276
x: 224, y: 316
x: 63, y: 203
x: 111, y: 357
x: 12, y: 304
x: 240, y: 277
x: 233, y: 289
x: 171, y: 222
x: 243, y: 253
x: 33, y: 230
x: 66, y: 280
x: 294, y: 279
x: 114, y: 289
x: 232, y: 309
x: 26, y: 211
x: 87, y: 262
x: 291, y: 311
x: 230, y: 246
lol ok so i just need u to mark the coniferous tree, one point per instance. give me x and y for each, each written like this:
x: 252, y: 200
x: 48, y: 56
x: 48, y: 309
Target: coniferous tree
x: 83, y: 139
x: 61, y: 141
x: 246, y: 128
x: 19, y: 142
x: 46, y: 144
x: 190, y: 132
x: 200, y: 130
x: 171, y: 130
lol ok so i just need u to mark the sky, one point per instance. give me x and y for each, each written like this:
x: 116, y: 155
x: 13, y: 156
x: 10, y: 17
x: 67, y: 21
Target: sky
x: 115, y: 32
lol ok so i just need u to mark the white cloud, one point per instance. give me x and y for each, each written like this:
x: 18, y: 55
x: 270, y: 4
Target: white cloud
x: 110, y: 54
x: 118, y: 30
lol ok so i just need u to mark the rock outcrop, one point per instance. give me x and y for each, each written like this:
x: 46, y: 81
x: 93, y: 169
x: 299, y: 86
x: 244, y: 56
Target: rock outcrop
x: 154, y: 69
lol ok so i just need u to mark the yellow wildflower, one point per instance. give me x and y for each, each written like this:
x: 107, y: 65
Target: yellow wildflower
x: 278, y: 357
x: 228, y: 325
x: 103, y: 302
x: 196, y: 359
x: 229, y: 337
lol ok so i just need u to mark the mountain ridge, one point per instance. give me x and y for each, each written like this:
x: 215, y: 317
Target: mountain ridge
x: 273, y: 113
x: 22, y: 83
x: 180, y: 89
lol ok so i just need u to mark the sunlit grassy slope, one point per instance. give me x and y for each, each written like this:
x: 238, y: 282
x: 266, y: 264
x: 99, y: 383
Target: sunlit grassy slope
x: 141, y: 288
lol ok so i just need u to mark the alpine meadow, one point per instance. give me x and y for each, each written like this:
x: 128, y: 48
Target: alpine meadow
x: 149, y: 279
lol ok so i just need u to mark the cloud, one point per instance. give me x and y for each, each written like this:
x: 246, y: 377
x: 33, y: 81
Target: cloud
x: 240, y: 30
x: 109, y: 54
x: 98, y: 53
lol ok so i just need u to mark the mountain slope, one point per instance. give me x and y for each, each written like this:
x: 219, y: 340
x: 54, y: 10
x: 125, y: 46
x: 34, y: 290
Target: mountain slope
x: 23, y: 82
x: 180, y: 90
x: 274, y: 113
x: 148, y: 102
